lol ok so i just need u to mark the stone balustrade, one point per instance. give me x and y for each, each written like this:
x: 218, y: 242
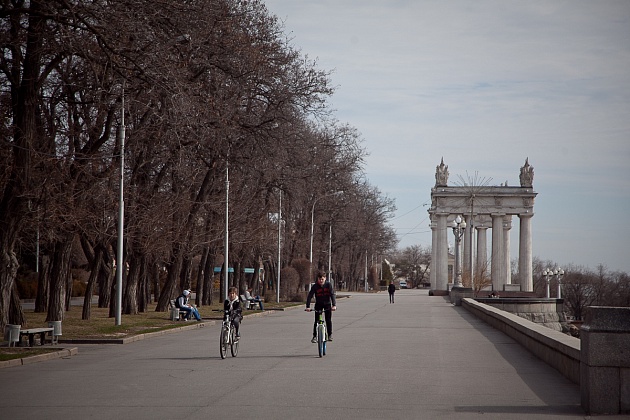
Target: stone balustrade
x: 599, y: 361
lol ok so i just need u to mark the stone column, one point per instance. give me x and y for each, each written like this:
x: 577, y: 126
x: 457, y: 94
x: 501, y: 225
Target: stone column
x: 507, y: 226
x: 434, y: 247
x: 441, y: 275
x: 498, y: 260
x: 467, y: 256
x: 482, y: 253
x: 525, y: 253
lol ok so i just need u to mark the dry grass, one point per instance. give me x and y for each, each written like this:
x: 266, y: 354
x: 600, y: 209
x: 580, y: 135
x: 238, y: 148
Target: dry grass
x: 10, y: 353
x: 101, y: 326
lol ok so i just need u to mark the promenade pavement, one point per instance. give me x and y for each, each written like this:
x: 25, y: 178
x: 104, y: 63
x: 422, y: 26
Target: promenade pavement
x: 420, y: 358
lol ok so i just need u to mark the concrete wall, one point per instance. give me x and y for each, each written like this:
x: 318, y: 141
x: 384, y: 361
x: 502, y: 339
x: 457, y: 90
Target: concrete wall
x: 558, y: 350
x: 605, y: 380
x: 546, y: 312
x: 600, y: 363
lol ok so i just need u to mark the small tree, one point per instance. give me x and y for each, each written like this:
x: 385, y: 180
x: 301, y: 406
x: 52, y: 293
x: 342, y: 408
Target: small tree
x: 480, y: 280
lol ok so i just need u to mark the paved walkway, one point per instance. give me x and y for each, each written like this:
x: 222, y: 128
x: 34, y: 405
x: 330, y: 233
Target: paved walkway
x: 420, y: 358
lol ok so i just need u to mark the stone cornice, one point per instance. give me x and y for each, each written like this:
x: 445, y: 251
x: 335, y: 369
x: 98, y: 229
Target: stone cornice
x: 487, y: 201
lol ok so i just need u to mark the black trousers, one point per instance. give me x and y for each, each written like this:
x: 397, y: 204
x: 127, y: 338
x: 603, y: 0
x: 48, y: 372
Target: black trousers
x: 327, y: 317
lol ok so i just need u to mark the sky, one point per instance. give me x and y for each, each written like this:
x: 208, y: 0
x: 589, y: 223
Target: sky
x: 486, y: 85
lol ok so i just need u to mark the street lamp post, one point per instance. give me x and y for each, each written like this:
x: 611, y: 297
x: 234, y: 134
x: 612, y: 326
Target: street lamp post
x: 226, y: 274
x: 366, y: 272
x: 330, y: 252
x: 279, y: 243
x: 547, y: 273
x: 121, y: 217
x: 459, y: 227
x: 558, y: 272
x: 312, y: 228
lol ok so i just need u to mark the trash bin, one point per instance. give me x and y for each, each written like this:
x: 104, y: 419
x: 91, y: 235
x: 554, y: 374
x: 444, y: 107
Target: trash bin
x: 12, y: 334
x: 174, y: 314
x: 56, y: 326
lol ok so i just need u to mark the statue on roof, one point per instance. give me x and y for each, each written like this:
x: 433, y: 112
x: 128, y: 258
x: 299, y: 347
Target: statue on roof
x: 441, y: 174
x: 527, y: 174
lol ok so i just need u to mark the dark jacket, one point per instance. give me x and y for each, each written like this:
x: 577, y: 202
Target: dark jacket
x: 234, y: 306
x: 181, y: 301
x: 391, y: 288
x: 324, y: 296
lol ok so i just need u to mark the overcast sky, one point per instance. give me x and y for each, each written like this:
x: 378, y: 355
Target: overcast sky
x: 485, y: 85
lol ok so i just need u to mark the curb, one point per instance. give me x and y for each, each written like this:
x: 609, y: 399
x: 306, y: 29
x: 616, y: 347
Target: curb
x: 138, y: 337
x: 74, y: 350
x: 40, y: 358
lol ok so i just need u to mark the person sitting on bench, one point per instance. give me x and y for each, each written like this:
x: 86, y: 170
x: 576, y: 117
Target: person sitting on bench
x: 183, y: 305
x: 253, y: 299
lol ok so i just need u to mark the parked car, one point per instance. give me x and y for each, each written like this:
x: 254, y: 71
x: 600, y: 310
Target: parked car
x: 402, y: 284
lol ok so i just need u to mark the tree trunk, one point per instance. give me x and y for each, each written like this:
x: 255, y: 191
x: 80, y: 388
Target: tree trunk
x: 16, y: 315
x: 144, y: 295
x: 95, y: 269
x: 130, y: 298
x: 186, y: 273
x: 201, y: 289
x: 24, y: 94
x: 155, y: 277
x: 59, y: 271
x: 105, y: 279
x: 168, y: 290
x: 41, y: 299
x: 208, y: 278
x: 69, y: 284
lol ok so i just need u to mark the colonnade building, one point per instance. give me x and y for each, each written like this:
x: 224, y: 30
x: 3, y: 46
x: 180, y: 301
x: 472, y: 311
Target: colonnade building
x: 483, y: 208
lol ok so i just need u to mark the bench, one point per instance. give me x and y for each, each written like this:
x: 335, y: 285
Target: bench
x: 176, y: 314
x: 249, y: 303
x: 32, y: 332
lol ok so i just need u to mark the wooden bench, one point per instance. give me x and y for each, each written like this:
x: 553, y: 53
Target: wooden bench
x: 32, y: 332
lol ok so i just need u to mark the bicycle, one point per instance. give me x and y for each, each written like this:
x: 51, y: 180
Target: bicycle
x: 321, y: 331
x: 228, y: 335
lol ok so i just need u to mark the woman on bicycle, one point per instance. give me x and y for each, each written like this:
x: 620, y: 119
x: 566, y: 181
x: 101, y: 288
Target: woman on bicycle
x: 233, y: 309
x: 324, y: 299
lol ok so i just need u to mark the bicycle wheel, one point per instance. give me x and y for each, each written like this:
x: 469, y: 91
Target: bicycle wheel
x: 224, y: 343
x: 320, y: 340
x: 235, y: 342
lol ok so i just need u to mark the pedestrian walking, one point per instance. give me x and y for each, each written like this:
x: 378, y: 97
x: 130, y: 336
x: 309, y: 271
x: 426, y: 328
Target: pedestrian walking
x: 391, y: 289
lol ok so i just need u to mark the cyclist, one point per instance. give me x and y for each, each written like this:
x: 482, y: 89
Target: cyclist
x: 233, y: 307
x: 324, y: 299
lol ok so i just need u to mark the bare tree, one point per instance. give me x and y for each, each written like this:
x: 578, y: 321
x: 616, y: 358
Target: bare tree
x: 203, y: 87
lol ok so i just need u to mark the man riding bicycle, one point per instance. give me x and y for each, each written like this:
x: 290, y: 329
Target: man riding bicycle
x: 324, y: 300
